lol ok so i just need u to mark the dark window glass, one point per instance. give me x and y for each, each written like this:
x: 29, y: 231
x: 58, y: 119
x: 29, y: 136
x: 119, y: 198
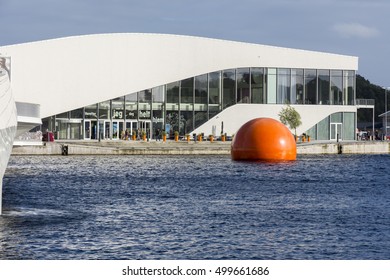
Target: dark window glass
x: 104, y: 110
x: 257, y: 84
x: 200, y: 118
x: 201, y: 89
x: 172, y: 121
x: 336, y: 87
x: 187, y: 91
x: 283, y: 87
x: 131, y: 106
x: 229, y: 88
x: 186, y: 122
x: 297, y: 86
x: 243, y: 78
x: 63, y: 115
x: 118, y: 111
x: 323, y: 87
x: 158, y: 94
x: 349, y: 87
x: 145, y: 96
x: 173, y: 92
x: 214, y: 87
x: 311, y: 86
x: 76, y: 114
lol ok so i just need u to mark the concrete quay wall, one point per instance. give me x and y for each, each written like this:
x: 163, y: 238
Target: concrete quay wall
x: 191, y: 148
x: 125, y: 148
x: 364, y: 147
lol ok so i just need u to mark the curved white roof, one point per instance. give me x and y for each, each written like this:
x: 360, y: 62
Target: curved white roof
x: 68, y: 73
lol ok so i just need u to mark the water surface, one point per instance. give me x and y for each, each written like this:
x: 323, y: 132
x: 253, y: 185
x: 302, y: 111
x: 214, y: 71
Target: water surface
x: 196, y: 207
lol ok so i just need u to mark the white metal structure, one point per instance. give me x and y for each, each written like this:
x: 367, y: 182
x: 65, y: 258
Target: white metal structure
x: 7, y: 120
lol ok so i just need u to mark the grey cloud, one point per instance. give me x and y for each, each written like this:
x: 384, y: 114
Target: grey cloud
x: 358, y: 30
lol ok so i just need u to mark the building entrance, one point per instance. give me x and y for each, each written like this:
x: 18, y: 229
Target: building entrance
x: 145, y: 126
x: 90, y: 130
x: 336, y: 131
x: 117, y: 129
x: 131, y: 125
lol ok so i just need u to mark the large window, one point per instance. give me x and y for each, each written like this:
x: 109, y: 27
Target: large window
x: 271, y: 86
x: 297, y: 86
x: 158, y: 108
x: 158, y: 111
x: 214, y: 87
x: 186, y: 125
x: 243, y: 78
x: 173, y: 93
x: 311, y: 86
x: 201, y: 90
x: 118, y: 108
x: 186, y: 106
x: 201, y: 107
x: 229, y: 88
x: 158, y: 94
x: 336, y: 87
x: 187, y: 91
x: 348, y: 126
x: 172, y: 120
x: 323, y: 87
x: 283, y: 89
x: 90, y: 112
x: 144, y: 104
x: 104, y: 110
x: 323, y: 129
x: 349, y: 87
x: 131, y: 105
x: 76, y: 114
x: 257, y: 85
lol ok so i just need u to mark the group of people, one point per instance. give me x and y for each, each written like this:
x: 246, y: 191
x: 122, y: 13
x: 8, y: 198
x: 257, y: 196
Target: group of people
x: 367, y: 135
x: 127, y: 134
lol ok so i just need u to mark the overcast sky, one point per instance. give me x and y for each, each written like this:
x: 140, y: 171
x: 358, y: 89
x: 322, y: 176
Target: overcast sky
x: 352, y: 27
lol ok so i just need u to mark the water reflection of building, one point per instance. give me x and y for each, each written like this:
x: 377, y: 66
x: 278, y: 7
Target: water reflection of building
x: 96, y: 86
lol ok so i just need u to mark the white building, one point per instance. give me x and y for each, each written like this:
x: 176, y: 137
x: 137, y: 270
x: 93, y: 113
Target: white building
x: 96, y: 86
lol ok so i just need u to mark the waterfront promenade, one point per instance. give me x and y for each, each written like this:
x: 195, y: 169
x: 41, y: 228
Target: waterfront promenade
x: 112, y: 147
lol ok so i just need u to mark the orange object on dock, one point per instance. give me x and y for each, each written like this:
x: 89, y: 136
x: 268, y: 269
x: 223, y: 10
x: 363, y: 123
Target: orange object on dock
x: 263, y: 139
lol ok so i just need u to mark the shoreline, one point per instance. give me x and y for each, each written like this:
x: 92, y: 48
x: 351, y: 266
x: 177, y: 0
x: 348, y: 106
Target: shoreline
x: 120, y: 147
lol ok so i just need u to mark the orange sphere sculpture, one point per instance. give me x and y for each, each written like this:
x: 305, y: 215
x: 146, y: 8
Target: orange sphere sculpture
x: 263, y: 139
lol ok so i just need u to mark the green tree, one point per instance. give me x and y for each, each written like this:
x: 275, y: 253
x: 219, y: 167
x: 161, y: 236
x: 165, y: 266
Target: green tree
x: 290, y: 117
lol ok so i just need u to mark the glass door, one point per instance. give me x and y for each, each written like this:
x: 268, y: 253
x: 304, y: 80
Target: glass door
x: 101, y: 130
x: 107, y: 128
x: 336, y: 131
x: 117, y: 130
x: 145, y: 126
x: 94, y: 130
x: 131, y: 126
x: 87, y: 130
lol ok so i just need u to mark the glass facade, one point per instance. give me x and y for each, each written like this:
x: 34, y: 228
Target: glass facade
x: 338, y: 126
x: 184, y: 105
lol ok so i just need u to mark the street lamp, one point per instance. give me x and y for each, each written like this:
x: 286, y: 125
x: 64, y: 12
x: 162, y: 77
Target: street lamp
x: 386, y: 88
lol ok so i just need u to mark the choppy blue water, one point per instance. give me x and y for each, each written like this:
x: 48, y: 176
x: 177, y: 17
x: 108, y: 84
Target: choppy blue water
x: 196, y: 207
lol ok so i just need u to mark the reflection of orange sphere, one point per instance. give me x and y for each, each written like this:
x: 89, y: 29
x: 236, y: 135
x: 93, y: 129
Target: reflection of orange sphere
x: 264, y: 139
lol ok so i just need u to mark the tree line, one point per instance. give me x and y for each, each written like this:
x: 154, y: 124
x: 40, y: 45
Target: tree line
x: 367, y: 90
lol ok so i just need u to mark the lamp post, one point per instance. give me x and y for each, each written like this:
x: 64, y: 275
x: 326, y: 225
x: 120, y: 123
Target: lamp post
x: 386, y: 88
